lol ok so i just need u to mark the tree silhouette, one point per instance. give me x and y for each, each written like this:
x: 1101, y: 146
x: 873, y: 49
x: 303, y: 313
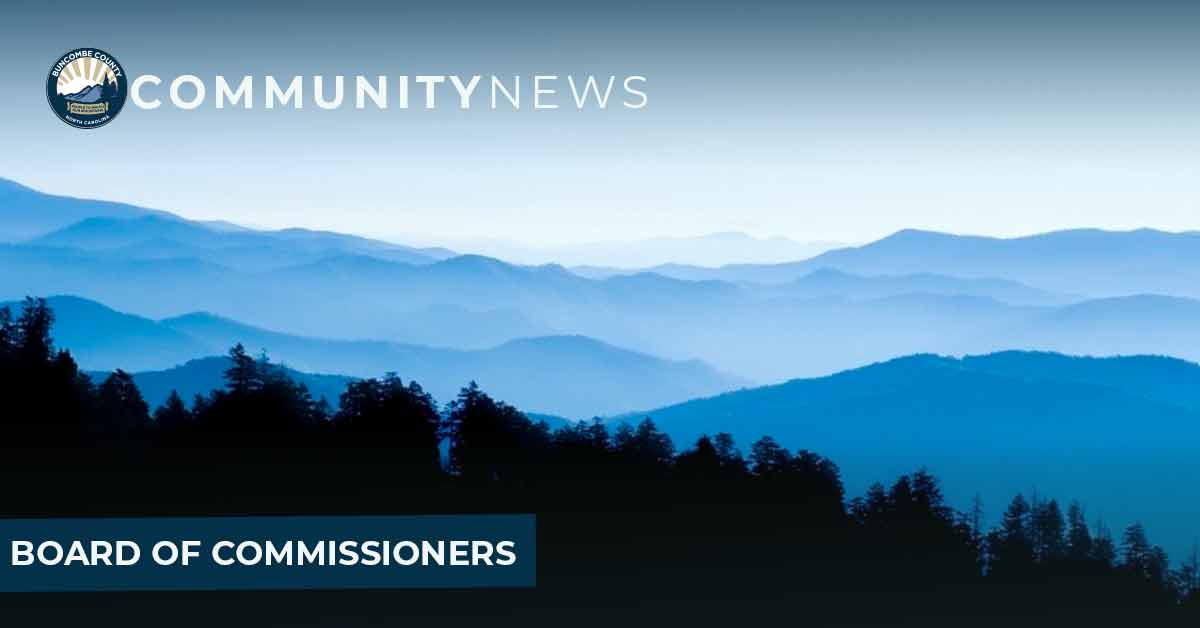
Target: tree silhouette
x: 389, y: 415
x: 700, y: 463
x: 1048, y: 532
x: 8, y: 336
x: 647, y: 451
x: 767, y: 458
x: 243, y: 374
x: 1187, y: 578
x: 490, y: 440
x: 1104, y: 549
x: 1136, y: 552
x: 33, y: 340
x: 1079, y: 538
x: 1011, y: 549
x: 122, y: 411
x: 173, y: 414
x: 583, y: 450
x: 605, y: 502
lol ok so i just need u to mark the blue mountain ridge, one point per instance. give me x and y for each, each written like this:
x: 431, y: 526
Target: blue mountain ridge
x: 143, y: 237
x: 571, y: 376
x: 1087, y: 262
x: 826, y: 319
x: 1099, y: 430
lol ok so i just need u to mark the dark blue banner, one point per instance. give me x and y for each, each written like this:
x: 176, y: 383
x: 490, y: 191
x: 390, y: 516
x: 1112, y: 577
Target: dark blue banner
x: 265, y: 553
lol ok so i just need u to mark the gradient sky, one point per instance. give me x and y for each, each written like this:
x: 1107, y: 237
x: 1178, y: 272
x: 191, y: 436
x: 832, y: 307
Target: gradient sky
x: 839, y: 120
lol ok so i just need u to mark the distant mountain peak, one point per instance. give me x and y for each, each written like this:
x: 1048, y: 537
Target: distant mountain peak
x: 197, y: 317
x: 472, y: 259
x: 10, y: 185
x: 829, y: 273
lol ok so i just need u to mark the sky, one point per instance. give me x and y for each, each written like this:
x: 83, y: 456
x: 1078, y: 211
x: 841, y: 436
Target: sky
x: 838, y: 121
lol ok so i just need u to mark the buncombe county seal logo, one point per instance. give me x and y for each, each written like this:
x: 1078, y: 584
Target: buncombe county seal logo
x: 86, y: 88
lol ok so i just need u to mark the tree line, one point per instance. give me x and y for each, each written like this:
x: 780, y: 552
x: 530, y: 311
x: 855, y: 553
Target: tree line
x: 476, y: 452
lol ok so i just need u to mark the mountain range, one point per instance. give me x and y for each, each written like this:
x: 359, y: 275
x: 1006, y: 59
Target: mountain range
x: 601, y: 259
x: 911, y: 292
x: 155, y: 237
x: 26, y: 213
x: 570, y: 376
x: 545, y: 337
x: 1100, y: 430
x: 1086, y: 262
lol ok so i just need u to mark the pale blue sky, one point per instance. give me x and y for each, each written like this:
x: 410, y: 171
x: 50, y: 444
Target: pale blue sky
x: 842, y: 123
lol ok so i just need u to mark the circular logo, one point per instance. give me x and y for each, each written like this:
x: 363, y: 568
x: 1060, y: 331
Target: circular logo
x: 86, y: 88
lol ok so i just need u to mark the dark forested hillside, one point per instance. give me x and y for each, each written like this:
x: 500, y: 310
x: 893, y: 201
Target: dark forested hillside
x: 199, y: 377
x: 697, y: 531
x: 1099, y: 429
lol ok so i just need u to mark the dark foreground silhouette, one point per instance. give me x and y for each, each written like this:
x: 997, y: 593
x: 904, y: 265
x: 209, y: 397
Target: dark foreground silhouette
x: 629, y: 530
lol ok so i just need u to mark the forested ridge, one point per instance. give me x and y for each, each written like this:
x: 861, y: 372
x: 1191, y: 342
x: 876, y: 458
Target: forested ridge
x: 627, y: 521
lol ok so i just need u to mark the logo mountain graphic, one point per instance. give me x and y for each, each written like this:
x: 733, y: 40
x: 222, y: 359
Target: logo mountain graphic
x: 91, y: 93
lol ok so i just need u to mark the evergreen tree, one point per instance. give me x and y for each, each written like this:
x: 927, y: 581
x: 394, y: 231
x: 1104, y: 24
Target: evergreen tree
x: 645, y: 448
x: 388, y: 414
x: 732, y: 462
x: 768, y: 458
x: 200, y: 405
x: 1049, y: 536
x: 1104, y: 549
x: 121, y: 407
x: 597, y: 435
x: 927, y: 495
x: 490, y: 440
x: 974, y: 523
x: 1010, y: 548
x: 8, y: 336
x: 173, y: 413
x: 243, y: 375
x: 583, y: 450
x: 1187, y: 577
x: 818, y: 481
x: 1159, y: 569
x: 33, y: 341
x: 700, y: 463
x: 1136, y: 552
x: 872, y: 509
x: 1079, y: 538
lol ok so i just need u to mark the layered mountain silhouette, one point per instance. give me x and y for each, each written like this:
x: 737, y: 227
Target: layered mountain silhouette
x: 1099, y: 429
x: 1088, y: 262
x: 26, y: 213
x: 108, y: 339
x: 121, y: 232
x: 570, y: 376
x: 828, y: 282
x: 546, y: 338
x: 912, y: 292
x: 157, y: 238
x: 602, y: 259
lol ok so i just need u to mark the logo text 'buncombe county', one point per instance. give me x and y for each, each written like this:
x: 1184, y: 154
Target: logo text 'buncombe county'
x: 86, y: 88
